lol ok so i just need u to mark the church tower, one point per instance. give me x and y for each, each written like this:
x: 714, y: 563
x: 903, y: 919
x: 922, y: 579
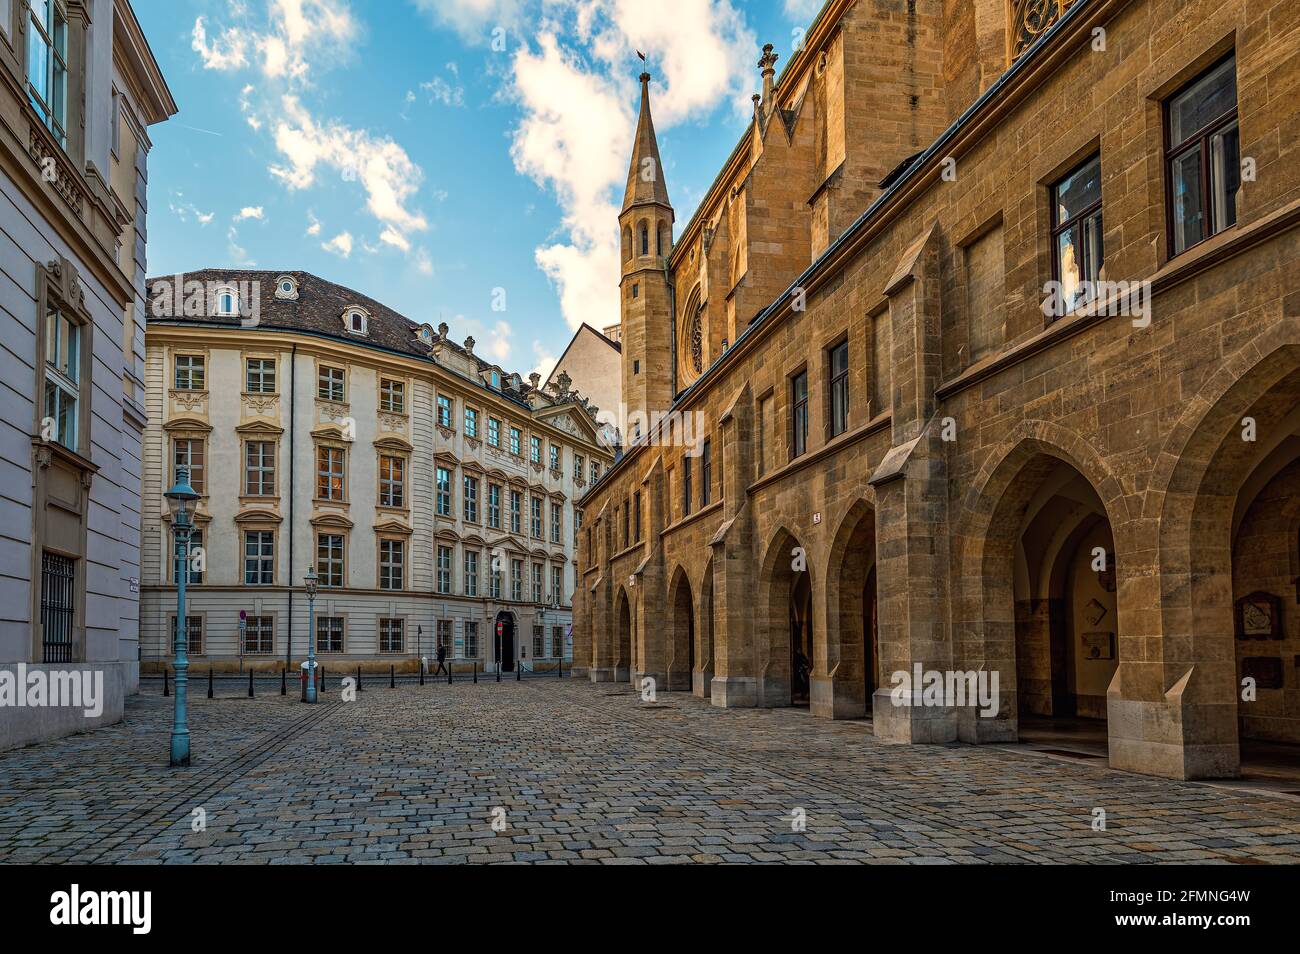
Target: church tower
x: 646, y: 225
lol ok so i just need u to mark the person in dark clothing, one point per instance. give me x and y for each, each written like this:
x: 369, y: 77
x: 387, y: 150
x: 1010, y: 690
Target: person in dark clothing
x: 442, y: 661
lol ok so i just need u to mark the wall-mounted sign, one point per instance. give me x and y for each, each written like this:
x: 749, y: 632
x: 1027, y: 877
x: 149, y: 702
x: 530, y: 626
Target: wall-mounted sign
x: 1259, y: 616
x: 1099, y: 645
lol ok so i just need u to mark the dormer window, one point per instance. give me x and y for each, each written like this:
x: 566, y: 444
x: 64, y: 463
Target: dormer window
x: 286, y: 287
x: 226, y: 302
x: 496, y: 380
x: 356, y: 321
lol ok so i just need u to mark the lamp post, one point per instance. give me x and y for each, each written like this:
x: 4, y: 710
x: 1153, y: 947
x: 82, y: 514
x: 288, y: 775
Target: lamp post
x: 310, y: 664
x: 179, y: 501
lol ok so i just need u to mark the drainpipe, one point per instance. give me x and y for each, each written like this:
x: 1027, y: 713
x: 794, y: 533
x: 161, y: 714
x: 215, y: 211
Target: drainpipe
x: 293, y: 457
x: 672, y: 325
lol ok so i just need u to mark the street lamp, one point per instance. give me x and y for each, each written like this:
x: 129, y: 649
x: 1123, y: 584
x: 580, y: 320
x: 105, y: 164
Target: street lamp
x: 310, y: 664
x: 180, y: 500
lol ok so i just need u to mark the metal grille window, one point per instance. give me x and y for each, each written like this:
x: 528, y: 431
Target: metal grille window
x: 1077, y: 251
x: 557, y: 522
x: 444, y: 569
x: 193, y: 635
x: 471, y: 500
x: 1203, y: 156
x: 62, y: 376
x: 259, y: 635
x: 471, y: 639
x: 58, y: 595
x: 259, y: 557
x: 392, y: 566
x: 535, y: 449
x: 188, y: 452
x: 392, y: 635
x: 392, y: 396
x: 330, y: 473
x: 471, y: 422
x: 259, y: 376
x: 494, y: 506
x: 444, y: 411
x: 798, y: 414
x: 517, y: 580
x: 182, y: 559
x: 839, y: 387
x: 515, y: 441
x: 471, y: 573
x: 329, y: 558
x: 329, y: 634
x: 392, y: 481
x: 494, y: 432
x: 190, y: 374
x: 47, y: 65
x: 535, y: 516
x: 445, y: 639
x: 537, y: 582
x: 444, y: 492
x: 330, y: 384
x: 539, y: 649
x: 516, y: 506
x: 259, y: 469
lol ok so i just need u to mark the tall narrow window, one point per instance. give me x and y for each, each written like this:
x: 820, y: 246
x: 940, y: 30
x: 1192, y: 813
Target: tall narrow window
x: 443, y: 489
x: 537, y: 582
x: 686, y: 484
x: 329, y: 559
x: 557, y: 522
x: 330, y: 473
x: 517, y: 580
x: 516, y: 438
x: 555, y: 457
x: 535, y: 449
x: 535, y: 513
x: 516, y: 506
x: 471, y: 422
x: 444, y: 569
x: 47, y: 65
x: 1203, y: 157
x: 188, y: 452
x: 798, y: 414
x: 494, y: 432
x: 471, y: 573
x: 392, y: 481
x: 1077, y: 253
x: 259, y: 469
x: 259, y: 557
x: 185, y: 559
x: 838, y: 365
x: 636, y: 516
x: 392, y: 564
x: 557, y: 585
x: 706, y: 473
x: 444, y: 411
x: 494, y: 506
x: 471, y: 500
x: 62, y: 376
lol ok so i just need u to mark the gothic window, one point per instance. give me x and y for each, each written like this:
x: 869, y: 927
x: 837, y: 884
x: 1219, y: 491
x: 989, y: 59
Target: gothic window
x: 697, y: 344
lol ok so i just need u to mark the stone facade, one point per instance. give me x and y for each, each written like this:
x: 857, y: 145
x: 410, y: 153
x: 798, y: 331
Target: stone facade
x: 913, y: 459
x: 432, y: 491
x: 74, y: 148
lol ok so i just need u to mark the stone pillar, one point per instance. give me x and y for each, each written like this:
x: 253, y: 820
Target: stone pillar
x: 651, y: 587
x: 604, y: 627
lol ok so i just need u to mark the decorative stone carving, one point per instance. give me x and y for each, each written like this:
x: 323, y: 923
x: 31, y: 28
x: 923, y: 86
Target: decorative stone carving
x: 1031, y: 19
x: 446, y: 433
x: 474, y: 443
x: 51, y: 169
x: 393, y: 422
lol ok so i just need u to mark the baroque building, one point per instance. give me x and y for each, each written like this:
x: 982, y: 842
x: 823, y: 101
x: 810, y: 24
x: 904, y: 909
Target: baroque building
x: 431, y: 490
x: 81, y: 87
x: 979, y: 362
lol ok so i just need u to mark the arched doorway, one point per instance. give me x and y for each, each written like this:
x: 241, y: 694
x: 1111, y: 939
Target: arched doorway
x: 681, y: 662
x: 503, y: 650
x: 623, y: 644
x: 784, y: 638
x: 848, y: 673
x: 801, y: 641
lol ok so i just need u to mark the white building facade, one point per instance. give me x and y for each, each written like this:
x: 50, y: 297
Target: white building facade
x: 80, y: 89
x: 431, y: 490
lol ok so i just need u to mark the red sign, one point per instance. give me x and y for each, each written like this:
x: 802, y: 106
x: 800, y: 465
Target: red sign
x: 501, y: 628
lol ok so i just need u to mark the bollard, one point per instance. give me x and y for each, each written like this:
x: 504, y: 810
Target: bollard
x: 559, y: 667
x: 392, y: 677
x: 498, y: 670
x: 359, y: 687
x: 166, y: 689
x: 450, y: 670
x: 476, y: 672
x: 519, y: 671
x: 320, y: 680
x: 209, y: 682
x: 250, y: 683
x: 284, y: 681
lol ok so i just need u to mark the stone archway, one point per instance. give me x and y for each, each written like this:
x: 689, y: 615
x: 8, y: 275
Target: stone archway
x: 846, y: 668
x: 784, y: 623
x: 681, y: 633
x: 622, y: 637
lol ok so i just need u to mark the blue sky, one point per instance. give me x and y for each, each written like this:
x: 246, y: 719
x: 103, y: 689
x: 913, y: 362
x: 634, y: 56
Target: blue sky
x: 431, y: 152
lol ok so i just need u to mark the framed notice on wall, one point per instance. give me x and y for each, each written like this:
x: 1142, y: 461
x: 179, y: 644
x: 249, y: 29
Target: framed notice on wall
x: 1259, y: 616
x: 1098, y: 645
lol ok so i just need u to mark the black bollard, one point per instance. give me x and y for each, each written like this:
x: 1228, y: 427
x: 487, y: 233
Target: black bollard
x: 392, y: 677
x: 498, y: 670
x: 559, y: 667
x: 359, y: 679
x: 209, y: 682
x: 320, y: 680
x: 450, y: 670
x: 166, y: 688
x: 284, y: 681
x: 422, y: 672
x: 476, y: 672
x: 519, y: 671
x: 250, y: 683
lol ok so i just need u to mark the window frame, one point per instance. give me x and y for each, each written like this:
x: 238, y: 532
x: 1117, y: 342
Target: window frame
x: 799, y: 411
x: 837, y: 389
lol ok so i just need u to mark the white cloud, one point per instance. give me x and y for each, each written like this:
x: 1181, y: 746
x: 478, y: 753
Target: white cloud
x: 395, y: 238
x: 249, y: 212
x: 444, y: 91
x: 545, y: 360
x: 238, y: 254
x: 383, y: 168
x: 188, y: 211
x: 313, y: 224
x: 228, y: 51
x: 498, y: 346
x: 340, y: 245
x: 803, y: 10
x: 474, y: 20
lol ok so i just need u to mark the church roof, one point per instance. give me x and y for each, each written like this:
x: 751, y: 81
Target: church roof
x: 645, y: 179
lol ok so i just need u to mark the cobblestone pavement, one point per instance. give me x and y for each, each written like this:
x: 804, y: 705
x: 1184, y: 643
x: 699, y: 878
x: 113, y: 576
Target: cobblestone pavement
x: 588, y: 773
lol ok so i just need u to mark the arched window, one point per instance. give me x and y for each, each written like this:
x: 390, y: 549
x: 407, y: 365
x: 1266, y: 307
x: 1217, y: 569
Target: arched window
x: 645, y: 239
x: 355, y: 320
x: 226, y: 301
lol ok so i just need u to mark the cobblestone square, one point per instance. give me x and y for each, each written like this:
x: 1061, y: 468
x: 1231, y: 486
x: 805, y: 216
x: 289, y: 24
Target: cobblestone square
x: 589, y: 774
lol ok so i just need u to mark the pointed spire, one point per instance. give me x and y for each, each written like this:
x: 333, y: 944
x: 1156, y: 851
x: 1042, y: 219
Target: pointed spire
x: 645, y: 176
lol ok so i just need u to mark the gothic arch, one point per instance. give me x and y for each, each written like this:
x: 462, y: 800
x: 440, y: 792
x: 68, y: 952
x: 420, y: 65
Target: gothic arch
x: 784, y: 579
x: 846, y: 656
x: 681, y: 631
